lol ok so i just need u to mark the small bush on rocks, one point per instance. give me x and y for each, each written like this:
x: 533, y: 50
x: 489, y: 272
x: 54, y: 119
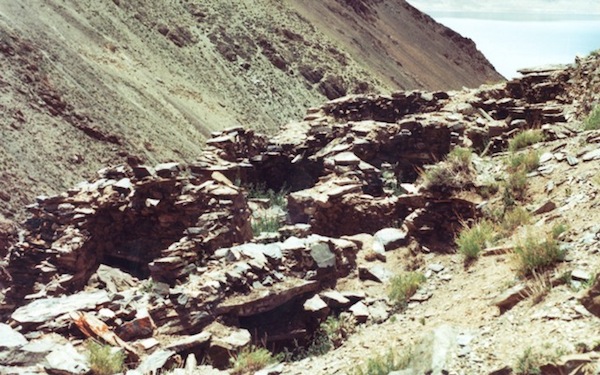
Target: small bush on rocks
x: 529, y: 363
x: 514, y: 219
x: 404, y: 286
x: 338, y: 329
x: 471, y: 241
x: 535, y: 254
x: 250, y: 360
x: 526, y: 161
x: 593, y: 120
x: 516, y: 186
x: 384, y: 364
x: 524, y: 139
x: 103, y: 359
x: 454, y: 173
x: 265, y: 223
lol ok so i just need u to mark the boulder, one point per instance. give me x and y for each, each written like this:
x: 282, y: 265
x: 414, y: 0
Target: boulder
x: 390, y: 238
x: 360, y: 312
x: 10, y: 337
x: 66, y: 360
x: 316, y: 307
x: 225, y: 342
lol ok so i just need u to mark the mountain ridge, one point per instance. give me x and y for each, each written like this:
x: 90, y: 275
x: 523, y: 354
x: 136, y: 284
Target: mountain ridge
x: 89, y: 84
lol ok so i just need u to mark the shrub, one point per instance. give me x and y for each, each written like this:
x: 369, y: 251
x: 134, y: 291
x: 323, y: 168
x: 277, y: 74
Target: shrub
x: 454, y: 173
x: 529, y: 363
x: 526, y: 161
x: 404, y: 286
x: 276, y: 198
x: 535, y: 254
x: 461, y: 157
x: 338, y: 329
x: 593, y: 120
x: 516, y: 186
x: 471, y: 241
x: 384, y: 364
x: 524, y: 139
x: 265, y: 223
x: 558, y: 229
x: 539, y: 288
x: 489, y: 189
x: 513, y: 219
x: 104, y: 360
x: 250, y: 360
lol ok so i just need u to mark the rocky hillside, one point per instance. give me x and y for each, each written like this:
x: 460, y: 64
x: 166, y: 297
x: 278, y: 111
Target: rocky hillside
x: 86, y: 84
x: 424, y: 231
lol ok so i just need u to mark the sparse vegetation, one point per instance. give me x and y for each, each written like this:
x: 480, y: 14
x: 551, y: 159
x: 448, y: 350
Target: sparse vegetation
x: 539, y: 288
x: 390, y: 181
x: 103, y: 359
x: 404, y: 286
x: 384, y: 364
x: 558, y: 229
x: 515, y: 188
x: 592, y: 122
x: 534, y: 253
x: 514, y: 219
x: 265, y: 223
x: 269, y: 220
x: 525, y: 161
x: 489, y: 189
x: 472, y: 240
x: 338, y: 329
x: 260, y: 191
x: 529, y: 363
x: 524, y: 139
x: 250, y: 360
x: 454, y: 173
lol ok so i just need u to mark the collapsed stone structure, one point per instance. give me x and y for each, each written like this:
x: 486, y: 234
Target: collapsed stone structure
x: 188, y: 227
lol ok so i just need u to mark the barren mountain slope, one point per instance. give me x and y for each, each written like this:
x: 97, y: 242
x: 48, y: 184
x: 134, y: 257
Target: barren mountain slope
x: 399, y: 44
x: 86, y: 84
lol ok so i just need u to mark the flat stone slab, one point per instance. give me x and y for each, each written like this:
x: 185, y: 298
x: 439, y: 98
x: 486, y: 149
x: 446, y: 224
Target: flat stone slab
x: 391, y: 238
x: 9, y: 338
x: 260, y: 301
x: 43, y: 310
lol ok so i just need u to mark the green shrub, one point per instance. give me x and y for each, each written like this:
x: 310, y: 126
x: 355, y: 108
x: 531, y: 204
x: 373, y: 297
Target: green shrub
x: 384, y: 364
x: 276, y: 198
x: 471, y: 241
x: 455, y: 172
x: 461, y: 157
x: 529, y: 363
x: 535, y: 253
x: 593, y: 120
x: 513, y: 219
x: 103, y: 359
x: 524, y: 139
x: 404, y: 286
x: 526, y: 161
x: 265, y: 223
x: 338, y: 329
x: 250, y: 360
x: 489, y: 189
x: 558, y: 229
x: 516, y: 185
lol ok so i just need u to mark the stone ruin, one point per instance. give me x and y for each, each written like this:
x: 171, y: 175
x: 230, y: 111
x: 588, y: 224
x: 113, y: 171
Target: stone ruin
x: 215, y: 286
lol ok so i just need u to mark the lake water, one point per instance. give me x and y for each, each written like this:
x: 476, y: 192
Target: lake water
x: 511, y: 44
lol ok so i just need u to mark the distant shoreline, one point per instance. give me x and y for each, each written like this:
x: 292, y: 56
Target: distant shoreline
x: 514, y: 16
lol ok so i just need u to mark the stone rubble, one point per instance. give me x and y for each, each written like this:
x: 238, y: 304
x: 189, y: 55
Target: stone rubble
x: 161, y: 261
